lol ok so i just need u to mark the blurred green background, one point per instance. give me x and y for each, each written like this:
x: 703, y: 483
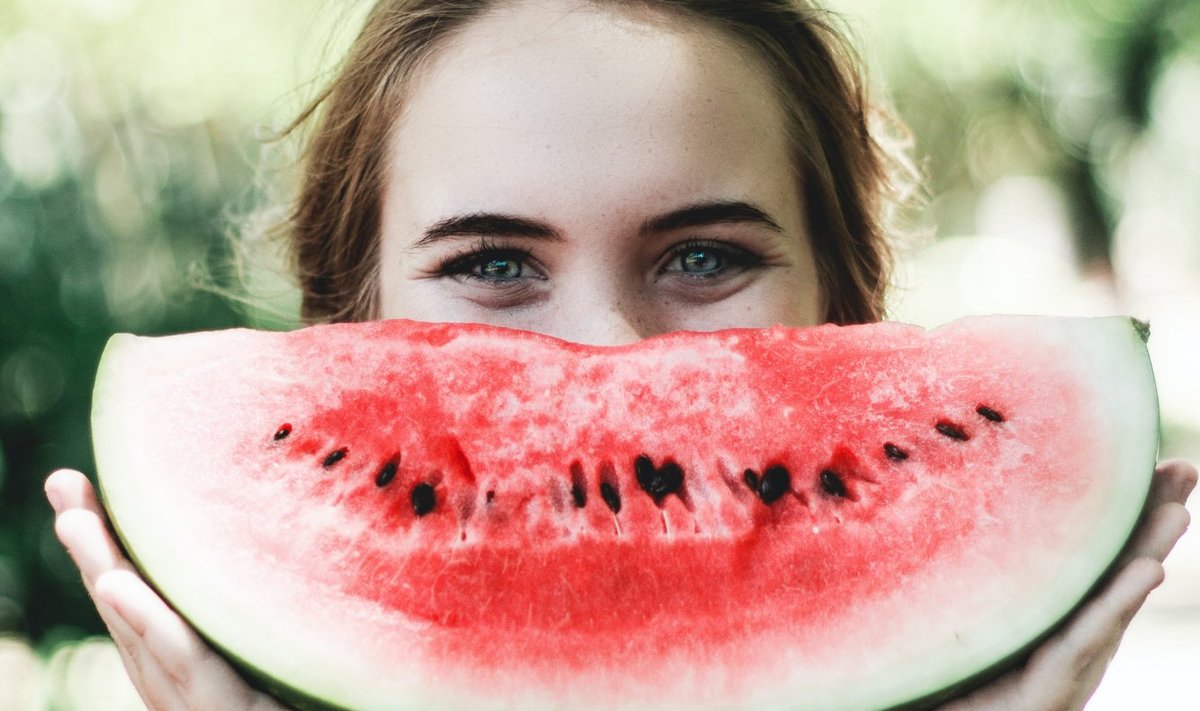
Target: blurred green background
x: 1059, y: 140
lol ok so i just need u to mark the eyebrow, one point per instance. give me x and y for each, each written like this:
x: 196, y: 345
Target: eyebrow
x: 710, y: 213
x: 492, y: 224
x: 487, y: 224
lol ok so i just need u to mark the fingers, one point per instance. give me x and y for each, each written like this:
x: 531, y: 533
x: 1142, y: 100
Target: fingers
x: 171, y: 667
x: 89, y: 545
x: 168, y: 653
x: 1174, y: 480
x: 1164, y: 518
x: 191, y: 666
x: 1064, y: 672
x: 1158, y: 533
x: 80, y: 527
x: 164, y: 634
x: 151, y: 682
x: 68, y: 489
x: 1105, y: 617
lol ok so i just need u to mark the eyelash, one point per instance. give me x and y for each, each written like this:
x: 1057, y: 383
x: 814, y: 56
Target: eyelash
x: 466, y: 261
x: 463, y: 264
x: 733, y: 257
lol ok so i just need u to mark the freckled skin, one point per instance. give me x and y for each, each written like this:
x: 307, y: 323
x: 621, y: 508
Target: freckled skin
x: 661, y: 116
x: 594, y: 159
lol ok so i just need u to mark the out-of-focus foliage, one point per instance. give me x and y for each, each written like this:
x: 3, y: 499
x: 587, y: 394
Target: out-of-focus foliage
x: 128, y: 136
x: 1063, y: 132
x: 1074, y: 91
x: 1063, y: 160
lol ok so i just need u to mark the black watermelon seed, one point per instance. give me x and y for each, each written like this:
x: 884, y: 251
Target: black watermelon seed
x: 776, y: 481
x: 833, y: 484
x: 491, y: 496
x: 671, y: 475
x: 657, y: 481
x: 579, y: 496
x: 751, y: 478
x: 387, y: 473
x: 424, y: 499
x: 989, y: 414
x: 894, y: 453
x: 578, y: 485
x: 643, y: 467
x: 611, y: 497
x: 952, y: 431
x: 334, y: 457
x: 283, y: 431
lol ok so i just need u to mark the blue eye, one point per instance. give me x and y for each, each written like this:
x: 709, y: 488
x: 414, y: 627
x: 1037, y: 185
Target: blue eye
x: 708, y: 260
x: 700, y: 261
x: 500, y: 268
x: 489, y: 264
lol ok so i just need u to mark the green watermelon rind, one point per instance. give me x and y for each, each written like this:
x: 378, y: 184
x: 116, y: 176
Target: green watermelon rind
x: 250, y: 673
x: 1145, y: 455
x: 1137, y: 334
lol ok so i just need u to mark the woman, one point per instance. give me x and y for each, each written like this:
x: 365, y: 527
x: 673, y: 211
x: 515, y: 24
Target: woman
x: 601, y: 172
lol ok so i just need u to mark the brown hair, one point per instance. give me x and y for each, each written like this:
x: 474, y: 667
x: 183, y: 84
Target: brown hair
x: 850, y: 176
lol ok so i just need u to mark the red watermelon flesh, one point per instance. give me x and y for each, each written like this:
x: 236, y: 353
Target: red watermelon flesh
x: 403, y: 515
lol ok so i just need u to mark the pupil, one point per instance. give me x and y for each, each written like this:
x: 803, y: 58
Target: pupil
x: 700, y: 261
x: 501, y: 269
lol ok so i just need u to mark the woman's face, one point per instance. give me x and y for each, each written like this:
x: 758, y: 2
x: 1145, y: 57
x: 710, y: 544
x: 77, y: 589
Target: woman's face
x: 594, y: 175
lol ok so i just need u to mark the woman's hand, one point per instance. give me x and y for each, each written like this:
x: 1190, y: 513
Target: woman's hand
x: 171, y: 667
x: 1065, y: 670
x: 174, y: 670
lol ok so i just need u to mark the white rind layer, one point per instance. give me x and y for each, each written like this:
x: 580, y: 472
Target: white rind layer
x: 1110, y: 353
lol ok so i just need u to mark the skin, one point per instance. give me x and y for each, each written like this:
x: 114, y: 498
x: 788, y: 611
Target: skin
x: 606, y: 164
x: 577, y: 177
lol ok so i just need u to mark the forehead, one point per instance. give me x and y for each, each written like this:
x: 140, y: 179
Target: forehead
x: 543, y: 99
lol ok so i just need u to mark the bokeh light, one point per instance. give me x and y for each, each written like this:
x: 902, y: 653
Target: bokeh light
x: 1058, y: 139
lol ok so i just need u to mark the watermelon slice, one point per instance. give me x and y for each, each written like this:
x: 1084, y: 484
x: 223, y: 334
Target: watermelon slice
x: 402, y: 515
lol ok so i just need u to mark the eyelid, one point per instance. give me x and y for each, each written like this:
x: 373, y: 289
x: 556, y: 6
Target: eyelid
x: 464, y: 260
x: 482, y: 245
x: 737, y: 257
